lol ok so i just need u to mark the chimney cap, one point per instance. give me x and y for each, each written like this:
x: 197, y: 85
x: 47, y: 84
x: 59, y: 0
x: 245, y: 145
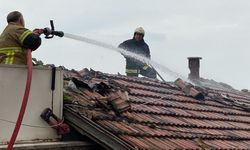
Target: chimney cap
x: 194, y: 57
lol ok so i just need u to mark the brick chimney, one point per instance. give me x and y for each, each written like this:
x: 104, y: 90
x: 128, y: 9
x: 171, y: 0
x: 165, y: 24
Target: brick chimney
x: 194, y: 66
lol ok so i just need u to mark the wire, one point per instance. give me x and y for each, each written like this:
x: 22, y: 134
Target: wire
x: 33, y: 126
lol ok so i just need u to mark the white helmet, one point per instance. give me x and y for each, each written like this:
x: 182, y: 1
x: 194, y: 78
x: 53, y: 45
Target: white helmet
x: 140, y: 30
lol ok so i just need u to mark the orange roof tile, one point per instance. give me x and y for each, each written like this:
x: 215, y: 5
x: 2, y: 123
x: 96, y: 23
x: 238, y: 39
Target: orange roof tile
x: 160, y: 115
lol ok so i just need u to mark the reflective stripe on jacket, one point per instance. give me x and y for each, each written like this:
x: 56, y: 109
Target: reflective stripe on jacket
x: 145, y: 67
x: 8, y: 54
x: 134, y: 71
x: 24, y: 35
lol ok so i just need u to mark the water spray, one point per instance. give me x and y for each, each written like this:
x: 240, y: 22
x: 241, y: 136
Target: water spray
x: 50, y: 32
x: 125, y: 53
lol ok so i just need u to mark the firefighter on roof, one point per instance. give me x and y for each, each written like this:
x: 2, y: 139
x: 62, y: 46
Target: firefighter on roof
x: 137, y: 45
x: 16, y: 39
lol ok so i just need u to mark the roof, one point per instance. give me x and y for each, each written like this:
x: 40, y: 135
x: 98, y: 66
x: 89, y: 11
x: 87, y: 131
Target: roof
x: 121, y: 112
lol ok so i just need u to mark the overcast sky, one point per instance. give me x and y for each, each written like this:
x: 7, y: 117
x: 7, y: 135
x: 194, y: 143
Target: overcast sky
x: 216, y: 30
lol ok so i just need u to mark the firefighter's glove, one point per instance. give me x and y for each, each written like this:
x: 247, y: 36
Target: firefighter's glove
x: 38, y: 31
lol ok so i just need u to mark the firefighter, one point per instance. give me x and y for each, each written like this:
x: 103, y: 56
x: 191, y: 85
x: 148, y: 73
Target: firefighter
x: 137, y: 45
x: 16, y: 39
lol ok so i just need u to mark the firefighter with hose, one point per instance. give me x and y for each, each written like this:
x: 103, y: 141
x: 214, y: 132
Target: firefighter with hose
x: 16, y: 44
x: 137, y: 45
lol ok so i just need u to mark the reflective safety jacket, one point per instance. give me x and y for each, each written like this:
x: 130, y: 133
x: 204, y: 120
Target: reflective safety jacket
x: 135, y: 67
x: 138, y: 47
x: 14, y: 42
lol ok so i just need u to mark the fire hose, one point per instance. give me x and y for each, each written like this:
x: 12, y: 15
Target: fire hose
x: 49, y: 33
x: 24, y: 102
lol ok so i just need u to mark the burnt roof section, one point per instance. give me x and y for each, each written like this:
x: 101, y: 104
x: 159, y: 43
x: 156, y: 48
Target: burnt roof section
x: 142, y: 113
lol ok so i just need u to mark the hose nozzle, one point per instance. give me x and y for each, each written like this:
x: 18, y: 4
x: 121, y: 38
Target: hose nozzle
x: 59, y: 33
x: 50, y: 32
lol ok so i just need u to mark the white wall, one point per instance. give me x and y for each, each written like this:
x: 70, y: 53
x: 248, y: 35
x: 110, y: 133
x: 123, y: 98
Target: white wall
x: 12, y: 86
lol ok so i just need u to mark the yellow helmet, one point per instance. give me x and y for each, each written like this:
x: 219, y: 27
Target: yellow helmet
x: 140, y: 30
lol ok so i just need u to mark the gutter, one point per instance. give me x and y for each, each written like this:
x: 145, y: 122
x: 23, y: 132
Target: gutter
x: 87, y: 127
